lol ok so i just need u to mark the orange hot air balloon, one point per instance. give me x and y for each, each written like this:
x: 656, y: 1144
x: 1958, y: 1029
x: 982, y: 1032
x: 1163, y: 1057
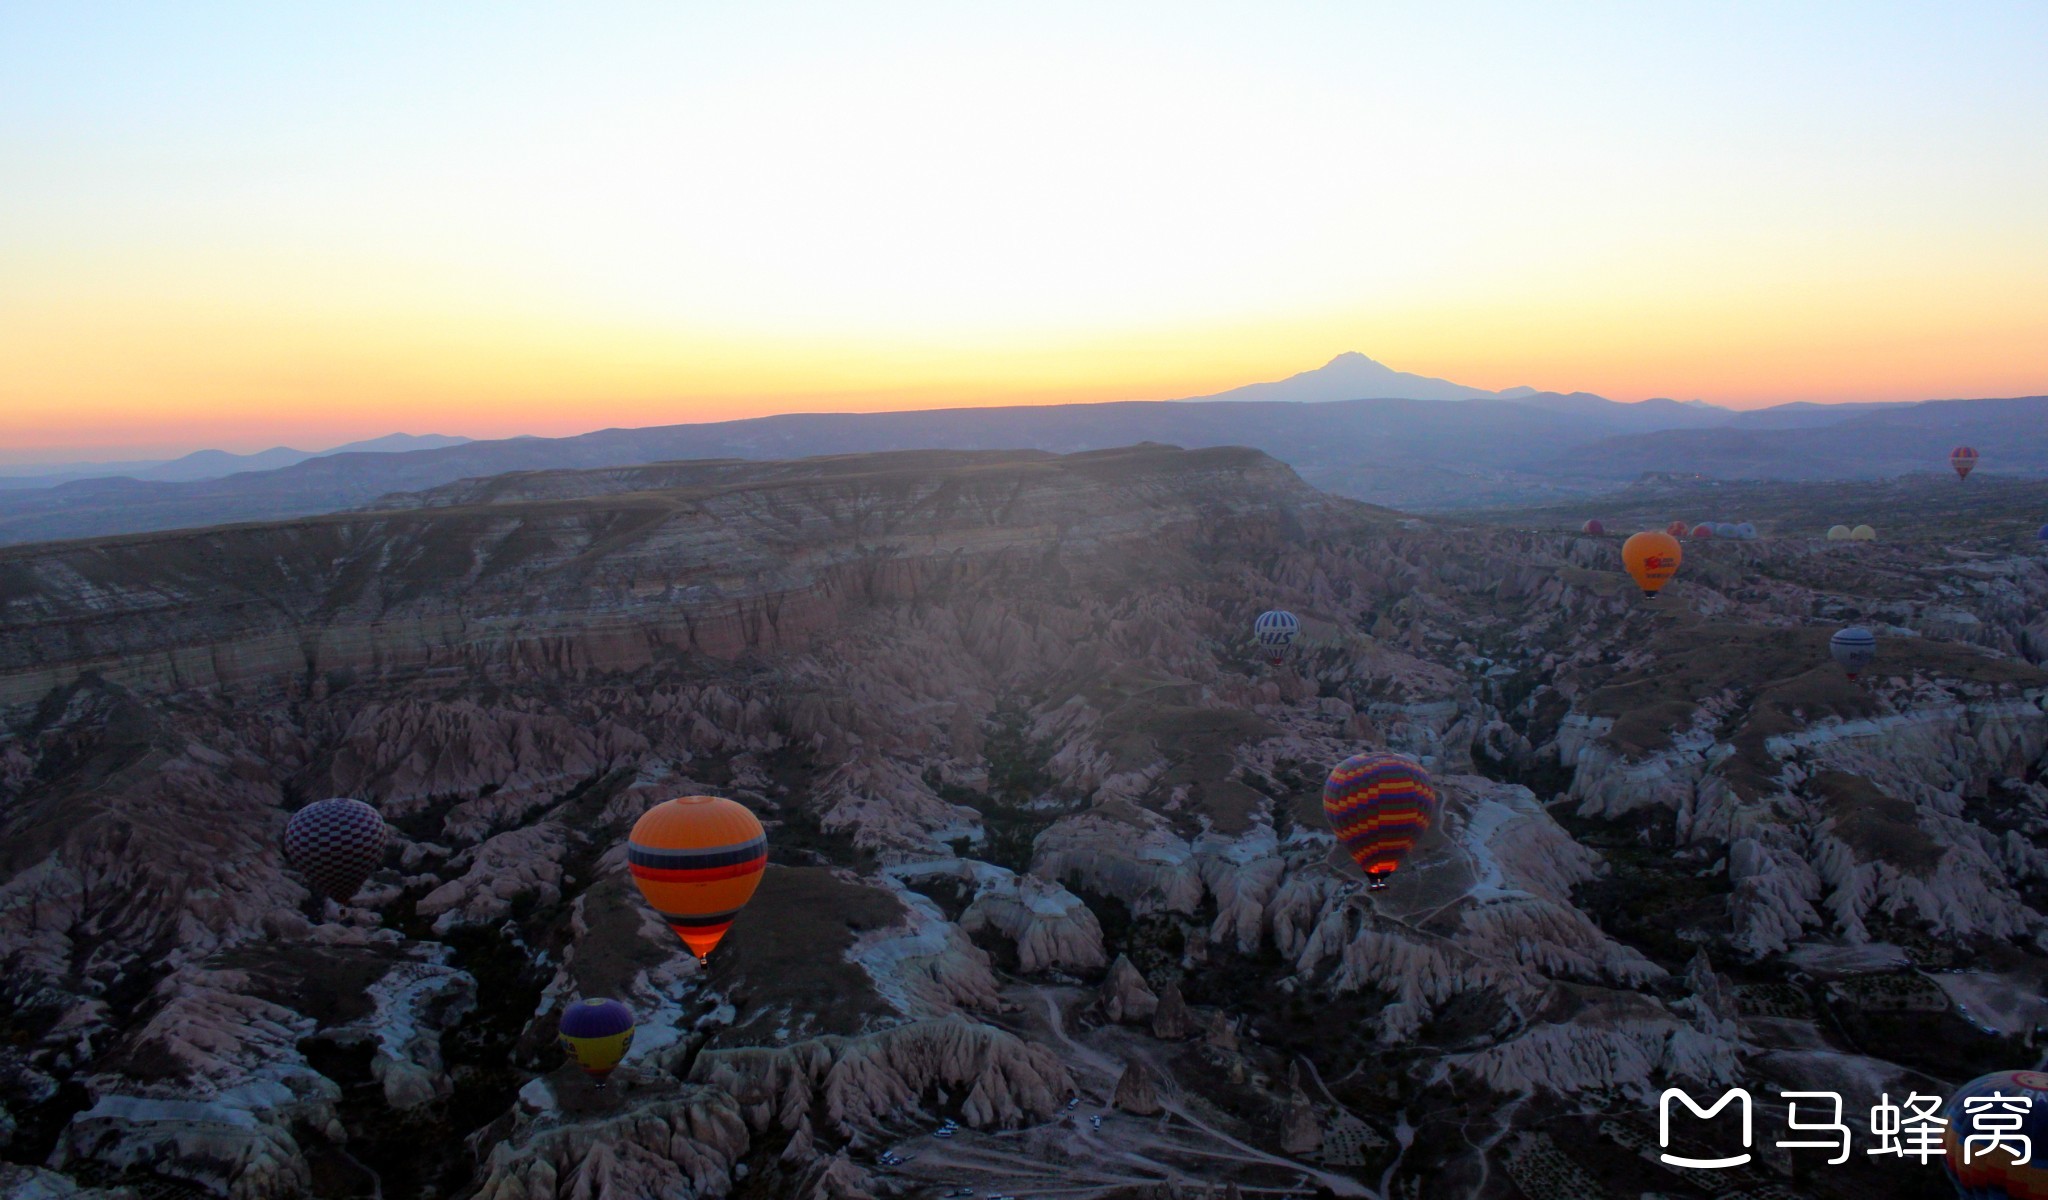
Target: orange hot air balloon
x: 1651, y: 558
x: 698, y: 860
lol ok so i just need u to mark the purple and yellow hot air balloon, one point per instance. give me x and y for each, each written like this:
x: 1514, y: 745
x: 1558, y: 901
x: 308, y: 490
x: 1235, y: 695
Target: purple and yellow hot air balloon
x: 597, y: 1034
x: 1987, y: 1122
x: 698, y: 860
x: 1379, y: 805
x: 1964, y: 460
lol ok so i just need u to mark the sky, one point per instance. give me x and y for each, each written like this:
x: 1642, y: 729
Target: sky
x: 244, y: 225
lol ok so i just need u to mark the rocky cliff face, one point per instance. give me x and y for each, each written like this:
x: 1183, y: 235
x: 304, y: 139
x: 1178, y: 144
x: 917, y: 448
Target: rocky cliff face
x: 1043, y: 828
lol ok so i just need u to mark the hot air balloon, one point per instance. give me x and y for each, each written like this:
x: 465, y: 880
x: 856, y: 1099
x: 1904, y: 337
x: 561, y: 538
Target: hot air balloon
x: 1652, y: 559
x: 1963, y: 459
x: 1853, y: 647
x: 2042, y: 535
x: 335, y: 844
x: 1594, y: 527
x: 1838, y: 533
x: 1746, y: 531
x: 698, y: 860
x: 597, y: 1034
x: 1676, y: 529
x: 1863, y: 533
x: 1723, y: 529
x: 1703, y: 531
x: 1275, y: 631
x: 1987, y: 1121
x: 1378, y: 805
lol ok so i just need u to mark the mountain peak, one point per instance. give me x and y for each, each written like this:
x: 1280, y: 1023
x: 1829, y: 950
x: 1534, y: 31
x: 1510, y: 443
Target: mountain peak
x: 1353, y: 376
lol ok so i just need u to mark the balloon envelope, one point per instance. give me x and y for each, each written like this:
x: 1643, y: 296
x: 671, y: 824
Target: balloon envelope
x: 2042, y: 536
x: 336, y: 844
x: 597, y: 1034
x: 1593, y: 527
x: 1838, y: 533
x: 1853, y: 647
x: 1703, y: 531
x: 1745, y: 531
x: 698, y: 860
x: 1962, y: 458
x: 1863, y: 533
x: 1983, y: 1118
x: 1723, y: 529
x: 1379, y: 804
x: 1676, y: 529
x: 1651, y: 558
x: 1275, y: 630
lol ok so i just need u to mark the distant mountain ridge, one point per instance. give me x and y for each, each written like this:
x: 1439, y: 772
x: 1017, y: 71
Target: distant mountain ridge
x: 1516, y: 447
x: 210, y: 464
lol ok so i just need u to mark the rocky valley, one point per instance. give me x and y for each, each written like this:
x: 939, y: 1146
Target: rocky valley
x: 1047, y: 856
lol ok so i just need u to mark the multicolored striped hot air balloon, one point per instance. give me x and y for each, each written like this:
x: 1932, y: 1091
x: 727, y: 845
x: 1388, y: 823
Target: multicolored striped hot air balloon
x: 1677, y: 529
x: 1996, y: 1141
x: 1963, y: 459
x: 698, y: 860
x: 1379, y: 804
x: 597, y: 1034
x: 336, y: 844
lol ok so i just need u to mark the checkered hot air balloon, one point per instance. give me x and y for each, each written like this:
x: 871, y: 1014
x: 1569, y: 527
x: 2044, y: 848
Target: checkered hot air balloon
x: 1379, y: 804
x: 597, y: 1034
x: 335, y: 844
x: 1276, y: 631
x: 1997, y: 1137
x: 698, y: 860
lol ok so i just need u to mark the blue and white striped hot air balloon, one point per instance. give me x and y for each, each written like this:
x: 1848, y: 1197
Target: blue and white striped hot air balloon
x: 1275, y: 631
x: 1853, y: 647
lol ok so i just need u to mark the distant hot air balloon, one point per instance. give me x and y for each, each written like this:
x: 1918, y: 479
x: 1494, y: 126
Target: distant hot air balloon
x: 698, y: 860
x: 2042, y: 535
x: 1379, y: 804
x: 597, y: 1034
x: 1676, y: 529
x: 1838, y: 533
x: 1724, y: 529
x: 1853, y: 647
x: 1651, y: 558
x: 1863, y: 533
x: 1702, y: 531
x: 1963, y: 459
x: 1275, y: 631
x: 1746, y: 531
x: 336, y: 844
x: 1594, y: 527
x: 1989, y: 1120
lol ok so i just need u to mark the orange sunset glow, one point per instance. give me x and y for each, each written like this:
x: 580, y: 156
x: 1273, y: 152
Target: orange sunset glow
x: 310, y: 228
